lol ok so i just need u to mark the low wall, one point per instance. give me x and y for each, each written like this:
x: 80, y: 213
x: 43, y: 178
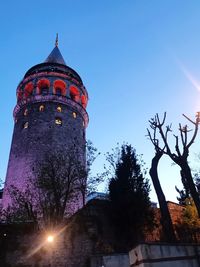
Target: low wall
x: 118, y: 260
x: 156, y: 255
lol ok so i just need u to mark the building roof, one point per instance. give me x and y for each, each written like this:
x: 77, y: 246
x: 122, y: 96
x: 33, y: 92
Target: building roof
x: 55, y: 57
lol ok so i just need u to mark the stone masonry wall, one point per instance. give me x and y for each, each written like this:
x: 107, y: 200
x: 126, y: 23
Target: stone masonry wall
x: 85, y: 234
x: 42, y: 136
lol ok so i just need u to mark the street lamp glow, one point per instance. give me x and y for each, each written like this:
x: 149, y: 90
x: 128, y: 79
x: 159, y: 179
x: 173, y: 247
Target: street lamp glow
x: 50, y: 238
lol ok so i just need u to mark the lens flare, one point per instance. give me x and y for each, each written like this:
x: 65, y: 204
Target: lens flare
x: 49, y: 239
x: 189, y: 76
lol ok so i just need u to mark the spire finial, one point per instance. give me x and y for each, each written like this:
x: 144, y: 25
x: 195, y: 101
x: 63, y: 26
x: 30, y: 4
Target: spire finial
x: 56, y: 43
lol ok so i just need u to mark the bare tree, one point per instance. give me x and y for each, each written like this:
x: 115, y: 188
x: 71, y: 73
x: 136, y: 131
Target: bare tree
x: 52, y: 192
x: 57, y: 182
x: 182, y: 145
x: 88, y: 182
x: 166, y: 221
x: 22, y: 208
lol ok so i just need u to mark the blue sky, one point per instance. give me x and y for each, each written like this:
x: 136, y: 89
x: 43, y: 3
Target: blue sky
x: 135, y: 58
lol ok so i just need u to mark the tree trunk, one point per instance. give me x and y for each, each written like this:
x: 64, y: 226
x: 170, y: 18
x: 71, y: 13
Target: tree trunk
x: 186, y: 171
x: 165, y: 215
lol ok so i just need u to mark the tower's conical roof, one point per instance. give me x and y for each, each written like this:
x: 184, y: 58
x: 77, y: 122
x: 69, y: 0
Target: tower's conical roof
x: 55, y: 56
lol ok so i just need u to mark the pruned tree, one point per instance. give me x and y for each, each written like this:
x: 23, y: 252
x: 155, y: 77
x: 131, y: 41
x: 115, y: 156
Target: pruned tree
x: 184, y: 194
x: 166, y: 221
x: 131, y: 211
x: 183, y: 143
x: 196, y: 172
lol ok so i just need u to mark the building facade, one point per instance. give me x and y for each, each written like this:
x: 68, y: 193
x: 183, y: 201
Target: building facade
x: 50, y: 116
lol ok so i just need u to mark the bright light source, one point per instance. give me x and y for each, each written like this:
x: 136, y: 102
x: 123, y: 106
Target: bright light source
x: 50, y: 238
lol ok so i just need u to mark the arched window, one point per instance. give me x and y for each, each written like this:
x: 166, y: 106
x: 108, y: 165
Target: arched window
x: 25, y: 126
x: 41, y: 108
x: 59, y: 88
x: 74, y: 93
x: 43, y: 86
x: 28, y: 89
x: 59, y: 109
x: 84, y: 101
x: 58, y: 121
x: 26, y: 112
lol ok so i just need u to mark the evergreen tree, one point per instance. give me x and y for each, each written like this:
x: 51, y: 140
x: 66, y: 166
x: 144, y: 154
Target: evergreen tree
x: 129, y: 194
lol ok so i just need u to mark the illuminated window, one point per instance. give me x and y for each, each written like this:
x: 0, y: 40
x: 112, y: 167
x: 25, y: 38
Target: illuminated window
x: 41, y: 108
x: 58, y: 121
x: 74, y: 115
x: 59, y: 109
x: 25, y: 125
x: 26, y: 112
x: 83, y: 124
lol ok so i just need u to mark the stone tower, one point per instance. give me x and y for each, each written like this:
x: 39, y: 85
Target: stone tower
x: 50, y: 115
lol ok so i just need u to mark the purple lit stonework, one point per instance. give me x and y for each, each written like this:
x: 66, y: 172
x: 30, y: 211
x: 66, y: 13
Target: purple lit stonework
x: 47, y: 86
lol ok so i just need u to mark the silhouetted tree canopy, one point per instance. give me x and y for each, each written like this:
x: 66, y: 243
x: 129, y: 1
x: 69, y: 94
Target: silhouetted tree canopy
x: 56, y: 189
x: 131, y: 210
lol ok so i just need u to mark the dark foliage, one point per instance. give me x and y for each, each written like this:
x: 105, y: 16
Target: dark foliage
x: 182, y: 195
x: 131, y: 211
x: 185, y: 192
